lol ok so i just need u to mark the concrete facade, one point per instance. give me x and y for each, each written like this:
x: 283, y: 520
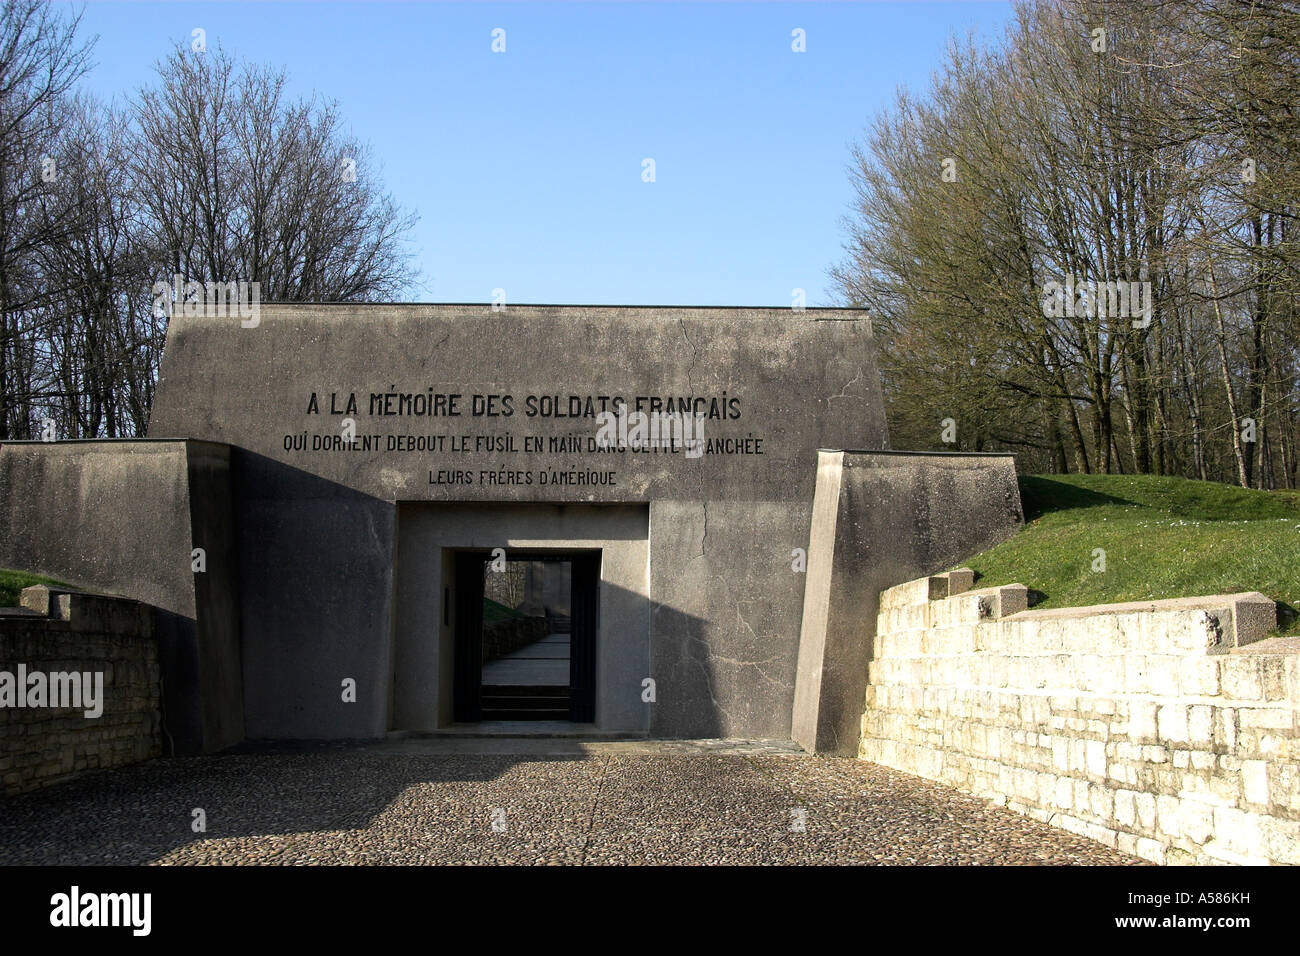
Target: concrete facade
x: 1165, y: 729
x: 342, y: 540
x: 331, y: 460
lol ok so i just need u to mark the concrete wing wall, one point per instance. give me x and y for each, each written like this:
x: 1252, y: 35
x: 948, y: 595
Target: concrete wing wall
x: 881, y: 518
x: 124, y: 517
x: 316, y: 584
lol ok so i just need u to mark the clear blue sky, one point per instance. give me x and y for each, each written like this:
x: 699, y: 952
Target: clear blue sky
x: 525, y: 167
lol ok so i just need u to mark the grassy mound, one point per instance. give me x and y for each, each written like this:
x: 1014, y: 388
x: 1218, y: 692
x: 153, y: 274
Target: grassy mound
x: 1162, y: 538
x: 13, y: 582
x: 494, y: 611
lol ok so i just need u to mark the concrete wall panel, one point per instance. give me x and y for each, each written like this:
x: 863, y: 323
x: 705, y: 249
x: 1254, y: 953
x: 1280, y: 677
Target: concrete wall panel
x: 428, y: 533
x: 726, y: 616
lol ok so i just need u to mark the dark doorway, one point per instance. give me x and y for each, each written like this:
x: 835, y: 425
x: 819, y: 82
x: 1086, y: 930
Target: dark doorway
x: 526, y: 635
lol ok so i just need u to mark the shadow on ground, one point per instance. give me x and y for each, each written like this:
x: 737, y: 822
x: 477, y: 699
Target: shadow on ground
x: 392, y: 804
x: 1040, y: 495
x: 140, y: 813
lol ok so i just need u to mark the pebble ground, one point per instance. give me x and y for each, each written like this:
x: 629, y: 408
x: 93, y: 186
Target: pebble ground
x: 448, y: 802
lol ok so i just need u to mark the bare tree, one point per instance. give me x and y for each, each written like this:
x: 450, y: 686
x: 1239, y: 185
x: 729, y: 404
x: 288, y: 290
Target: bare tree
x: 40, y: 60
x: 238, y: 183
x: 211, y: 174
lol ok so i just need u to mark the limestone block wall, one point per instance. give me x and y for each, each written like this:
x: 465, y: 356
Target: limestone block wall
x: 1166, y: 729
x: 61, y: 632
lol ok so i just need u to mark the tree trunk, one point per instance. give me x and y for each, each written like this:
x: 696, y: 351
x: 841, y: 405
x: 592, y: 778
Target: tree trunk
x: 1243, y: 477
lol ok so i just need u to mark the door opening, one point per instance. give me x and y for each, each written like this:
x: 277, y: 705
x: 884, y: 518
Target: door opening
x: 525, y: 636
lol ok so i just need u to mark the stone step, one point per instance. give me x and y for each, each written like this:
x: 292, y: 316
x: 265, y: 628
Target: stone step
x: 1271, y: 645
x: 1215, y: 624
x: 921, y: 591
x: 966, y: 607
x: 1210, y: 624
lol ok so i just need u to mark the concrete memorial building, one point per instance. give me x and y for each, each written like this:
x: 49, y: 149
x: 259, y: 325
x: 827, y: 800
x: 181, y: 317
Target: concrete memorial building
x: 361, y: 519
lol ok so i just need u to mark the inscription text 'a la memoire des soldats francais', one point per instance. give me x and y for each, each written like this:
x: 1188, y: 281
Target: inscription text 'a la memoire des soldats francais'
x: 640, y: 424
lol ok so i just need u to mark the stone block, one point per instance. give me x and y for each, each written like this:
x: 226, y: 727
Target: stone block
x: 1146, y: 811
x: 1101, y: 802
x: 1096, y: 757
x: 1226, y: 786
x: 1284, y: 787
x: 1197, y: 820
x: 1253, y: 616
x: 1225, y: 727
x: 1080, y: 803
x: 1151, y: 850
x: 1168, y: 815
x: 1064, y: 794
x: 1254, y: 782
x: 1125, y: 808
x: 1171, y: 720
x: 1267, y: 718
x: 1142, y: 721
x: 1135, y: 674
x: 960, y: 580
x: 1060, y: 754
x: 1239, y: 676
x: 914, y: 592
x: 1110, y: 679
x: 1239, y: 831
x: 1272, y: 676
x: 1179, y: 856
x: 1281, y: 841
x: 1163, y: 674
x: 1202, y: 760
x: 1200, y: 724
x: 1104, y: 835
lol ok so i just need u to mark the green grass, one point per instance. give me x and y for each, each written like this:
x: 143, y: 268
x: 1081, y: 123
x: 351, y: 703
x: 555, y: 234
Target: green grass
x: 1163, y: 538
x: 494, y: 611
x: 13, y: 582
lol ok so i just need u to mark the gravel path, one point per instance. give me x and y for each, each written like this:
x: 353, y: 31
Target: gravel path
x: 599, y: 804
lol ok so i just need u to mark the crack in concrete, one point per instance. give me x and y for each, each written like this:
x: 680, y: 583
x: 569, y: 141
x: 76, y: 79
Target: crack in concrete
x: 708, y: 683
x: 433, y: 353
x: 846, y: 387
x: 694, y: 352
x: 705, y: 536
x: 757, y: 665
